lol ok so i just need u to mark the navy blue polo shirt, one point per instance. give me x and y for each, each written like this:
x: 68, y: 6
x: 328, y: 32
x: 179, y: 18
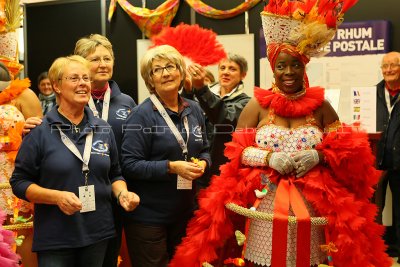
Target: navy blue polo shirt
x: 147, y: 146
x: 43, y: 159
x: 120, y: 107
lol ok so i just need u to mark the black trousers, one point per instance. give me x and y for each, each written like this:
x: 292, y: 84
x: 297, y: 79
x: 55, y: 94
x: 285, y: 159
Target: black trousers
x: 392, y: 233
x: 114, y: 244
x: 153, y: 245
x: 89, y: 256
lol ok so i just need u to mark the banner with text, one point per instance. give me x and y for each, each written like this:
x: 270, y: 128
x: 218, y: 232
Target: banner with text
x: 360, y: 38
x: 354, y: 38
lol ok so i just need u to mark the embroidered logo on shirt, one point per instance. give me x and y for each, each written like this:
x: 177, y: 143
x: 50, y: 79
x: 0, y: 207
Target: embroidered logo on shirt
x: 99, y: 147
x: 122, y: 113
x: 197, y: 132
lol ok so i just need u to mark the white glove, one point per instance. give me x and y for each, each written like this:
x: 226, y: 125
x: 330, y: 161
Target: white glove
x: 282, y: 162
x: 305, y: 160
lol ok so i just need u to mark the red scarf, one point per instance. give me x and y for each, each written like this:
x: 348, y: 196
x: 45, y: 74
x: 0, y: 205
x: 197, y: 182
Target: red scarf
x: 302, y: 106
x: 98, y: 94
x: 392, y: 91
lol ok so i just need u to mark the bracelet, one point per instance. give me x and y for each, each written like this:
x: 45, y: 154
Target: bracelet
x: 119, y: 194
x: 256, y: 157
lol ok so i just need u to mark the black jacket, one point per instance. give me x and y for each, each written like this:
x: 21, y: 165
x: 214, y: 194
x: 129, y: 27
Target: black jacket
x: 388, y: 152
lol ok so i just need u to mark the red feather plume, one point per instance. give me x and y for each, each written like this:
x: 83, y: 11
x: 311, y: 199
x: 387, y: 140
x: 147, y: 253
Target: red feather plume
x: 198, y: 44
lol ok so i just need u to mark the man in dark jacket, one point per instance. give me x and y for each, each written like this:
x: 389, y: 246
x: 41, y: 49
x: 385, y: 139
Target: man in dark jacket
x: 222, y: 103
x: 388, y: 155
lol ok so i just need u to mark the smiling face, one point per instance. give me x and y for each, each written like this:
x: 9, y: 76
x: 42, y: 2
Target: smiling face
x: 166, y: 77
x: 45, y: 87
x: 391, y: 67
x: 101, y: 66
x: 289, y: 73
x: 73, y: 86
x: 229, y: 75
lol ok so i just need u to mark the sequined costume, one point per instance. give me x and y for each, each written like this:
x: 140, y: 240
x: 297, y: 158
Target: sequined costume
x: 339, y: 190
x: 10, y: 119
x: 275, y: 138
x: 11, y: 125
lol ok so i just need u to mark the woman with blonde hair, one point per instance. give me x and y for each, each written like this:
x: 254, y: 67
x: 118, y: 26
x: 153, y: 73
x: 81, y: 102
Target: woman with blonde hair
x: 109, y: 103
x: 106, y: 102
x: 164, y: 149
x: 68, y: 166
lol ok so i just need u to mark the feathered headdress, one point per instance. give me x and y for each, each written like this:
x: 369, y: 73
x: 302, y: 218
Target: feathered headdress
x: 307, y: 25
x: 202, y: 47
x: 10, y: 20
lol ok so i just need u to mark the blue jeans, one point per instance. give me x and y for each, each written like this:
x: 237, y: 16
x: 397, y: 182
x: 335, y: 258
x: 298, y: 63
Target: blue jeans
x: 89, y: 256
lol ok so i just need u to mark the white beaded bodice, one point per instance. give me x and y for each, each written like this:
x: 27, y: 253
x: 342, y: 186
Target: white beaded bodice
x: 280, y: 139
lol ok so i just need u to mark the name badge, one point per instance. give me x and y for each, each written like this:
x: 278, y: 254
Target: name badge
x: 87, y: 197
x: 183, y: 183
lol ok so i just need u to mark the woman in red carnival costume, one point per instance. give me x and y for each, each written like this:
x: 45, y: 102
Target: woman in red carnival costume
x: 290, y: 157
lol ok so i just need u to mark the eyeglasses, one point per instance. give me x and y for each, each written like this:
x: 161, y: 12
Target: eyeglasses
x: 391, y: 65
x: 76, y: 79
x: 97, y: 60
x: 159, y: 70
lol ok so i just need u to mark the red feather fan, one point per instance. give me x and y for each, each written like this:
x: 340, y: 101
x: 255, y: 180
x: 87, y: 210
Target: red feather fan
x: 198, y: 44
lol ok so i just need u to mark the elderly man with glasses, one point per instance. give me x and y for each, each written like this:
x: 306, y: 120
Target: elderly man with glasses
x: 388, y: 156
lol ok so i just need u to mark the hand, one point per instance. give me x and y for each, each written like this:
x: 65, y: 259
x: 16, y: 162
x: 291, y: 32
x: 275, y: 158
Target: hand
x: 185, y: 169
x: 198, y: 74
x: 68, y: 202
x: 128, y: 200
x: 31, y: 123
x: 305, y: 160
x: 282, y: 162
x: 201, y: 163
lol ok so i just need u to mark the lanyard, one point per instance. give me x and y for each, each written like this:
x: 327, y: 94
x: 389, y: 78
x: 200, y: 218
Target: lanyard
x: 106, y: 105
x: 389, y: 106
x: 172, y: 126
x: 86, y: 152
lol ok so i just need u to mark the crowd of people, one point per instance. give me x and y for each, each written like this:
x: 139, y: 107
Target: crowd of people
x: 199, y: 173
